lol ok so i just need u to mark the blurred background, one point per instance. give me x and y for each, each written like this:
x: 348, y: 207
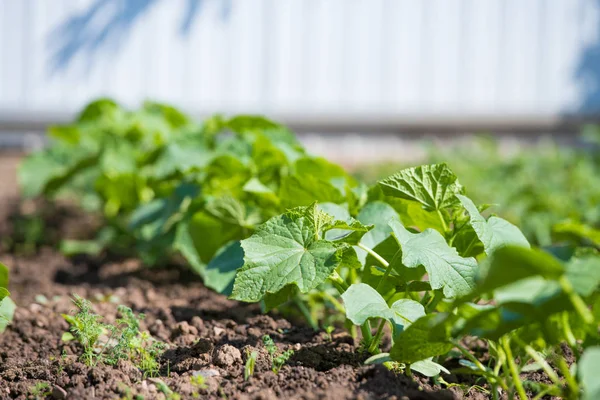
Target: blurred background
x: 349, y: 67
x: 505, y: 91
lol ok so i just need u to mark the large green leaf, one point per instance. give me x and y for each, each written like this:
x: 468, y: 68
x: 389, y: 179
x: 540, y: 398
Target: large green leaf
x: 159, y: 216
x: 220, y: 271
x: 584, y: 273
x: 511, y: 264
x: 574, y: 230
x: 306, y: 189
x: 184, y: 243
x: 3, y: 275
x: 588, y: 370
x: 363, y: 302
x: 446, y: 268
x: 434, y: 186
x: 424, y: 338
x: 285, y: 250
x: 495, y: 232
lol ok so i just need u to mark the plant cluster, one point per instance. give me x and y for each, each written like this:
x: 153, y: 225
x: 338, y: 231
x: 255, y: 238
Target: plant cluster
x: 551, y: 191
x: 109, y: 343
x: 421, y: 258
x: 263, y: 221
x: 166, y: 185
x: 7, y: 306
x: 278, y: 359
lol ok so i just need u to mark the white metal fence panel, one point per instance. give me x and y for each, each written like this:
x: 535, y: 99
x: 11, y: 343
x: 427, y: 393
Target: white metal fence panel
x: 329, y: 58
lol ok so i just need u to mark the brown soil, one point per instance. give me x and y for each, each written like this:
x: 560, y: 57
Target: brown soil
x: 206, y: 333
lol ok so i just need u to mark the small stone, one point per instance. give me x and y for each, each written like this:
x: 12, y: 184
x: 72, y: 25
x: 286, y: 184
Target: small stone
x: 58, y: 393
x: 254, y: 332
x: 183, y: 328
x: 207, y: 373
x: 218, y: 331
x: 227, y: 356
x: 197, y: 323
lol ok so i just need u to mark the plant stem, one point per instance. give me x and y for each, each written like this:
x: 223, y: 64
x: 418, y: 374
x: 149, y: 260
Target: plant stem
x: 365, y: 329
x: 566, y: 373
x: 571, y: 340
x: 338, y: 282
x: 341, y: 287
x: 306, y: 313
x: 374, y: 346
x: 437, y: 297
x: 580, y: 306
x: 512, y: 367
x: 443, y: 220
x: 374, y: 254
x: 336, y: 304
x: 540, y: 360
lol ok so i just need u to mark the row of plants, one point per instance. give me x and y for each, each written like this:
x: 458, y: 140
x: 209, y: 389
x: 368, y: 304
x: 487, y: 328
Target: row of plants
x: 549, y: 189
x: 263, y: 221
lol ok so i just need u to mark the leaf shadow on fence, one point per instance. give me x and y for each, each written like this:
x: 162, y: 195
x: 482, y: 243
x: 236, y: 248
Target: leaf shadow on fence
x: 587, y: 71
x: 106, y: 25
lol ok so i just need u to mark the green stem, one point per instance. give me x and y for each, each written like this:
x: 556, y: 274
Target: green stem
x: 571, y: 340
x: 306, y: 313
x: 578, y: 303
x: 437, y: 297
x: 566, y: 373
x: 374, y: 346
x: 365, y: 329
x: 408, y: 371
x: 338, y: 282
x: 512, y: 367
x: 374, y: 254
x: 336, y: 304
x: 540, y: 360
x: 443, y: 220
x: 471, y: 357
x: 341, y: 287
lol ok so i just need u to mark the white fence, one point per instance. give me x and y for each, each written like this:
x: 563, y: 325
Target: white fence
x: 365, y: 61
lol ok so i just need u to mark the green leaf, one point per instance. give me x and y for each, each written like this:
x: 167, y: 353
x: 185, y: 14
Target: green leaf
x: 3, y: 276
x: 304, y: 190
x: 258, y: 189
x: 7, y: 311
x: 209, y: 234
x: 434, y: 186
x: 285, y: 250
x: 428, y: 367
x: 378, y: 359
x: 160, y: 215
x: 4, y: 293
x: 379, y: 214
x: 220, y: 271
x: 511, y: 264
x: 182, y: 155
x: 425, y: 338
x: 578, y: 231
x: 274, y: 300
x: 495, y: 232
x: 446, y: 268
x: 584, y: 273
x: 588, y: 370
x: 245, y: 123
x: 363, y: 302
x: 184, y: 243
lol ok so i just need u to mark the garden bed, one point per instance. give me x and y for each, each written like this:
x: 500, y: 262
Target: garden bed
x: 206, y: 333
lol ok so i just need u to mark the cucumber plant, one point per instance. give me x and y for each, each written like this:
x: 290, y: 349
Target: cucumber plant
x: 429, y: 265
